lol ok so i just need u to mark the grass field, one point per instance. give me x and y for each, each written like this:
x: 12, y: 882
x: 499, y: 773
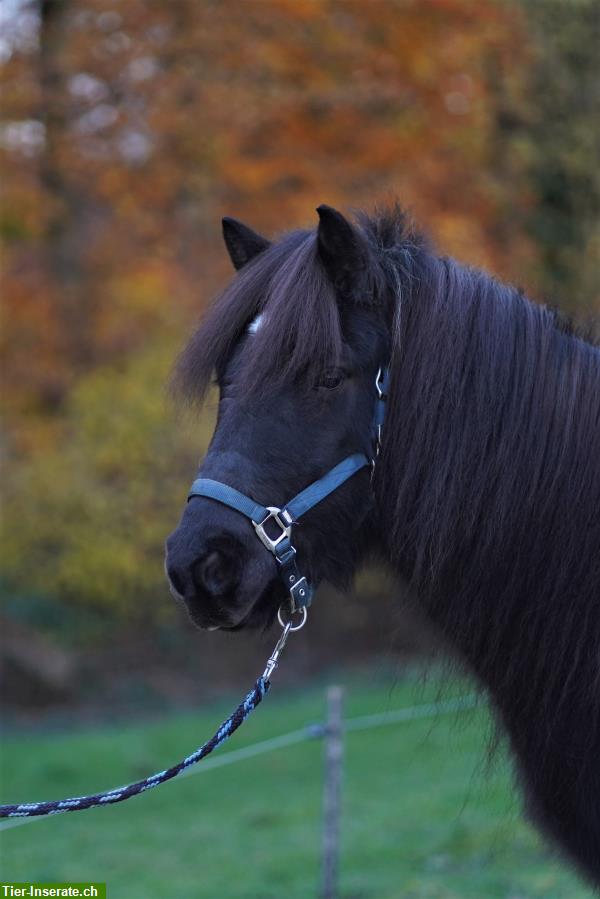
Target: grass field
x: 421, y: 819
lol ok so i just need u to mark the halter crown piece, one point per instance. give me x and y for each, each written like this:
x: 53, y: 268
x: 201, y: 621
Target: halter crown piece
x: 273, y: 526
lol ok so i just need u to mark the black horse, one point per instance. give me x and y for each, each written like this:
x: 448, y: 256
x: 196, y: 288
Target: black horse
x: 486, y: 494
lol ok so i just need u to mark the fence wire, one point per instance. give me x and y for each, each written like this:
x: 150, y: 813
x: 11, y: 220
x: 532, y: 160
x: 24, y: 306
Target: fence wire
x: 313, y: 731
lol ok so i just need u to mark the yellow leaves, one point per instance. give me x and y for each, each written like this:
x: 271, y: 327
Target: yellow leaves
x: 86, y: 518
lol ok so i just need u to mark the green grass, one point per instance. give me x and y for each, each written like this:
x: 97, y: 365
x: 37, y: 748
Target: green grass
x: 420, y: 817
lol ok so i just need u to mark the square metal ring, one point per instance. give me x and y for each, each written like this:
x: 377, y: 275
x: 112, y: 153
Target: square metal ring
x: 280, y: 518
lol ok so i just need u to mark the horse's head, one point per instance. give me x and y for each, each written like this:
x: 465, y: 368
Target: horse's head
x: 296, y: 342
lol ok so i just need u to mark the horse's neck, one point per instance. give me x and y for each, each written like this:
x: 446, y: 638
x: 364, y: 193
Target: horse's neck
x: 489, y: 495
x: 489, y: 482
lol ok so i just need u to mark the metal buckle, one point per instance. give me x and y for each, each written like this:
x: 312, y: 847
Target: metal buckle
x: 299, y: 594
x: 282, y: 519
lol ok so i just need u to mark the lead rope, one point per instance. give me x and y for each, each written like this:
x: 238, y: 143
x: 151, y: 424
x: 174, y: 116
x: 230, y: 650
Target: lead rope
x: 120, y: 794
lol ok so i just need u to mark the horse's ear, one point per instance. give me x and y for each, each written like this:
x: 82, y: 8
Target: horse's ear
x: 342, y: 251
x: 242, y: 243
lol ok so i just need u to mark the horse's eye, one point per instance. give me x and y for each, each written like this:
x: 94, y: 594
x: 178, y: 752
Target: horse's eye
x: 332, y: 379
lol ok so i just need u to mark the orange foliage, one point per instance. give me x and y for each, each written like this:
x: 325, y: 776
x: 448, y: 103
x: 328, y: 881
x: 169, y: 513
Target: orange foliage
x: 154, y: 119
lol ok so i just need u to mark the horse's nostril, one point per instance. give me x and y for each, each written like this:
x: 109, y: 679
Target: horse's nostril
x: 215, y: 573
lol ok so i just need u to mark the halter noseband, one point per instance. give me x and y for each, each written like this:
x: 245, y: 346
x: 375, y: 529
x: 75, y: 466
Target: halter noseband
x: 280, y: 521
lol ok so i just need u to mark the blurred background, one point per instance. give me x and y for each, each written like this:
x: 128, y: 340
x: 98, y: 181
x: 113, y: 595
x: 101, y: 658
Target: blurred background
x: 128, y: 131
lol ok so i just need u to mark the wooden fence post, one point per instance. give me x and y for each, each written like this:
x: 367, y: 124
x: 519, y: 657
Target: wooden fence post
x: 332, y: 793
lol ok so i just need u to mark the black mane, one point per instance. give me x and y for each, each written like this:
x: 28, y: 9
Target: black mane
x: 302, y: 335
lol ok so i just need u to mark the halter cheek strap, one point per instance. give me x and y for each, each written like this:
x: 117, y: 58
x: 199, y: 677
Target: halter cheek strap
x: 273, y: 526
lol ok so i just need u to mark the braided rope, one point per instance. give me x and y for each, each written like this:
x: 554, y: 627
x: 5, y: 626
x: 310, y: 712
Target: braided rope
x: 120, y: 794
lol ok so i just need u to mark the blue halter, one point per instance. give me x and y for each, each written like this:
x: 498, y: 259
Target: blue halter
x: 280, y: 521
